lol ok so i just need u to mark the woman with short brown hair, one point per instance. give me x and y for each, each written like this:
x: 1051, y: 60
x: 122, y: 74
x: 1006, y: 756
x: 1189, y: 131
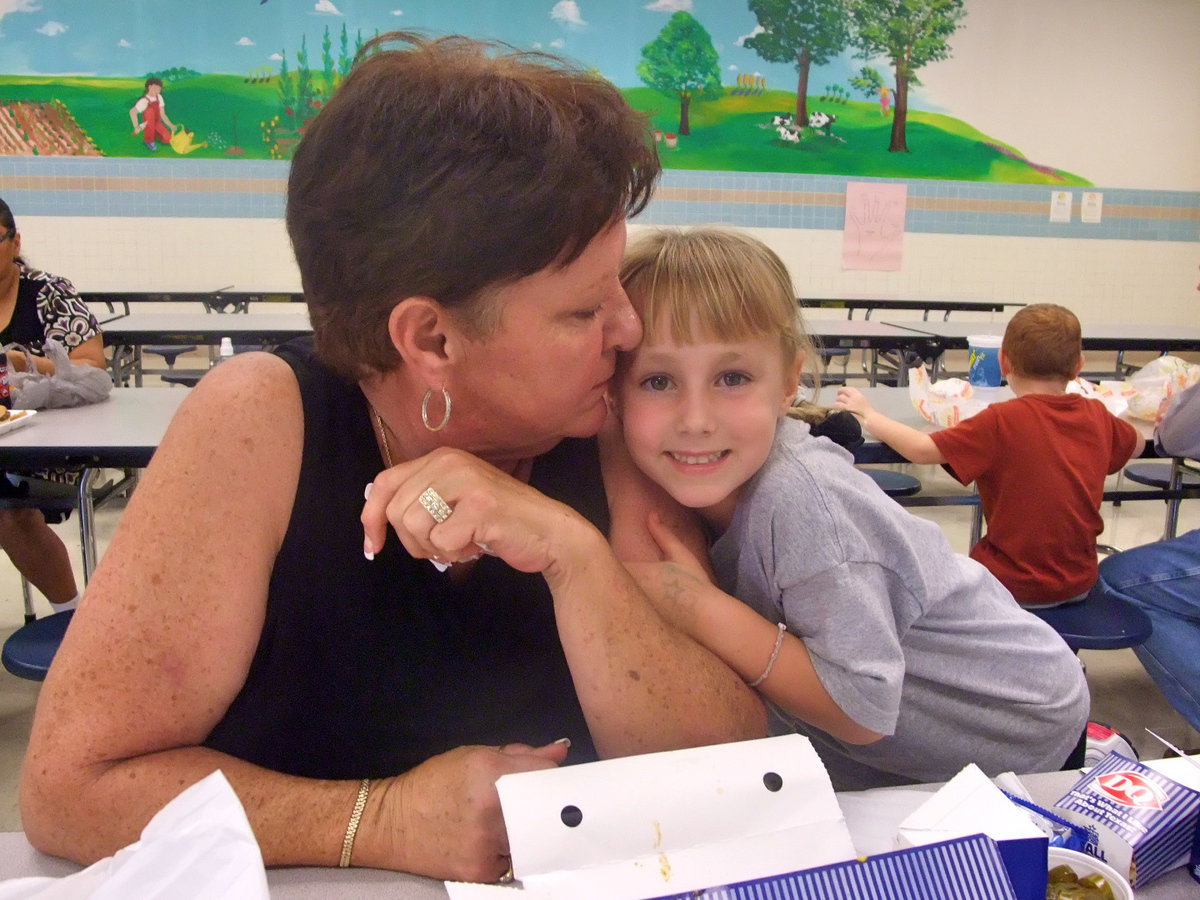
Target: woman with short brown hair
x: 457, y: 212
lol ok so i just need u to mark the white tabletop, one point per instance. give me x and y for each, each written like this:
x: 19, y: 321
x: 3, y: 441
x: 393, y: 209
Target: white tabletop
x: 123, y: 430
x: 18, y: 859
x: 1139, y: 336
x: 201, y: 327
x: 896, y: 403
x: 833, y: 333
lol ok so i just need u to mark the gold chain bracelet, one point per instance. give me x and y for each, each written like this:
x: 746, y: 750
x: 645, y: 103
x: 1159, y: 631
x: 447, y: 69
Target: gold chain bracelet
x: 360, y: 804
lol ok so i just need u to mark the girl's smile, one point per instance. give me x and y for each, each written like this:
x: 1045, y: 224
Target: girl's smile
x: 700, y: 418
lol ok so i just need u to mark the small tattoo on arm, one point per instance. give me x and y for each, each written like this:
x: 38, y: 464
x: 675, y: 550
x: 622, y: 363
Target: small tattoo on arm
x: 675, y: 590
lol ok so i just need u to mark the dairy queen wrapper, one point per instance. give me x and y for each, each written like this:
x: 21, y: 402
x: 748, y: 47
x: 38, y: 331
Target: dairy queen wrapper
x: 1139, y: 821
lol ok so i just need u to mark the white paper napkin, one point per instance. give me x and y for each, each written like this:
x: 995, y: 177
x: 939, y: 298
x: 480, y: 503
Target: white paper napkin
x: 199, y: 845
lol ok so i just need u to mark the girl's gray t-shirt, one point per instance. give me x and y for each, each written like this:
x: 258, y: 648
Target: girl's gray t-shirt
x: 909, y: 638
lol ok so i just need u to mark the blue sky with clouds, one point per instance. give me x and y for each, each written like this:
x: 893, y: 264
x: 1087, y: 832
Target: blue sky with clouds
x: 132, y: 37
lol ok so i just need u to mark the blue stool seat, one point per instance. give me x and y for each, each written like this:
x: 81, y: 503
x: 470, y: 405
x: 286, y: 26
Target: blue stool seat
x: 30, y: 649
x: 895, y: 484
x: 169, y: 352
x: 1158, y: 474
x: 187, y: 379
x: 1100, y: 622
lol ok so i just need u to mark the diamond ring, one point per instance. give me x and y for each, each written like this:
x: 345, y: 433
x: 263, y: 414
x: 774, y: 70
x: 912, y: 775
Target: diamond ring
x: 435, y: 505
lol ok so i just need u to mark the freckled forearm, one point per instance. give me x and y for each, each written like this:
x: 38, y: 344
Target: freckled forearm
x: 644, y: 684
x: 744, y: 640
x: 733, y: 631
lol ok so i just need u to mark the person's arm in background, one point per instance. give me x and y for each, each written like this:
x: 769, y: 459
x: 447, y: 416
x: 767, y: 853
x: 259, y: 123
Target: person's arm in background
x: 1178, y: 434
x: 67, y: 313
x: 1127, y: 443
x: 89, y: 353
x: 915, y: 446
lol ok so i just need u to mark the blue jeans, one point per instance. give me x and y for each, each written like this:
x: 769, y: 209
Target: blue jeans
x: 1163, y: 580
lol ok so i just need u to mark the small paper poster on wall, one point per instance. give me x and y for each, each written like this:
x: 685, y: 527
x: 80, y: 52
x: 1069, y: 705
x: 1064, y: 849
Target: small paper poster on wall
x: 873, y: 236
x: 1060, y: 206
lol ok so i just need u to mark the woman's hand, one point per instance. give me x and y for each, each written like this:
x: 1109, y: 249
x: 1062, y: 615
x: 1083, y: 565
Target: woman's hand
x: 443, y: 818
x: 491, y: 512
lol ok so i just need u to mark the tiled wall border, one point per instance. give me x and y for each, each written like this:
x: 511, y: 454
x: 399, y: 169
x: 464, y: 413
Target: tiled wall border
x: 65, y: 186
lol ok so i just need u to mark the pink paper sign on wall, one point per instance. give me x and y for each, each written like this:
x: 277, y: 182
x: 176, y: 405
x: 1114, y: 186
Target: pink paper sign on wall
x: 873, y: 236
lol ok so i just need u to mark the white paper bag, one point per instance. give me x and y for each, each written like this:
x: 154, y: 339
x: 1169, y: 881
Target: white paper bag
x: 663, y: 823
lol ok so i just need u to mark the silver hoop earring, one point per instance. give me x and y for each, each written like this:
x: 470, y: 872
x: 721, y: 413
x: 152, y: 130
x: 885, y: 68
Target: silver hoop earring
x: 425, y: 410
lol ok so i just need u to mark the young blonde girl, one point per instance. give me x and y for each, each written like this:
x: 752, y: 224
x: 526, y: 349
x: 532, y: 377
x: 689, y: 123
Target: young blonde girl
x: 902, y: 660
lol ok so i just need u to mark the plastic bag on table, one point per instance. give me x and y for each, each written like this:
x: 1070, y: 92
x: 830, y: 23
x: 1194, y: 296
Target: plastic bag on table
x: 1113, y: 394
x: 72, y: 384
x: 1157, y: 381
x: 946, y: 402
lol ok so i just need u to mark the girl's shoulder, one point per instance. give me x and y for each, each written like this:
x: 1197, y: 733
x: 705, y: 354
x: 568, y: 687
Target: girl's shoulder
x: 817, y: 474
x: 801, y: 468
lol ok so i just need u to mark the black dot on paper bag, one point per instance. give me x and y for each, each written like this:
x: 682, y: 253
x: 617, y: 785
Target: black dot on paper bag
x: 772, y: 781
x: 571, y: 816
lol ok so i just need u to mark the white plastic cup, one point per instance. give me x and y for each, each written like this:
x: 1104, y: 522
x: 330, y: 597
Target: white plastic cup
x: 1082, y: 864
x: 983, y: 368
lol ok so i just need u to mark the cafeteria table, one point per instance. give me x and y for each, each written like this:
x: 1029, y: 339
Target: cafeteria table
x: 877, y: 337
x: 889, y: 304
x: 121, y: 432
x: 18, y: 858
x: 204, y: 328
x: 1164, y: 337
x: 220, y: 300
x: 126, y: 334
x: 895, y: 403
x: 1156, y: 338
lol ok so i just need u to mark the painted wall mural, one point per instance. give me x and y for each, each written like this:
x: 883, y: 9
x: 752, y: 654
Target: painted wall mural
x: 798, y: 86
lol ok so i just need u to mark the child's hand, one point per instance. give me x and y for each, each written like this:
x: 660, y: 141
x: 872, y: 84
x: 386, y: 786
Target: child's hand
x: 852, y: 400
x: 679, y: 585
x: 674, y: 550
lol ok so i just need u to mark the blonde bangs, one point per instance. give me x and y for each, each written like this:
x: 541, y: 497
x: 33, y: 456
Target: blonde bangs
x: 711, y: 284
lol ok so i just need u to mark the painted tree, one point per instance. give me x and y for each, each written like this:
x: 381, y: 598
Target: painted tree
x: 683, y: 62
x: 328, y: 69
x: 287, y: 87
x: 305, y: 93
x: 911, y: 34
x: 802, y: 32
x: 869, y: 81
x: 344, y: 57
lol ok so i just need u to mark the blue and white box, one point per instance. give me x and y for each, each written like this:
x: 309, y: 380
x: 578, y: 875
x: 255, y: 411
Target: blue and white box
x: 1143, y: 823
x: 968, y: 868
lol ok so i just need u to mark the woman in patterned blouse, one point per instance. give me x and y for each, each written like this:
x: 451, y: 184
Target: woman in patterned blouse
x: 36, y: 306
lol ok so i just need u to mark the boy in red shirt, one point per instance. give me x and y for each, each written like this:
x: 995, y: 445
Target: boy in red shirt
x: 1040, y: 460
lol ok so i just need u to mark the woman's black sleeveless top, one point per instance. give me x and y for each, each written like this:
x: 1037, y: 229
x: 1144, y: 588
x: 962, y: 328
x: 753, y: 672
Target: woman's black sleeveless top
x: 365, y: 669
